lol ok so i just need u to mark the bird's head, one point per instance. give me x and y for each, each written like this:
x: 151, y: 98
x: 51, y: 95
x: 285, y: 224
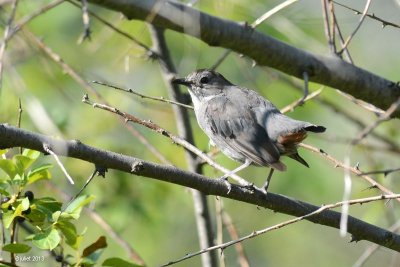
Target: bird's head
x: 204, y: 83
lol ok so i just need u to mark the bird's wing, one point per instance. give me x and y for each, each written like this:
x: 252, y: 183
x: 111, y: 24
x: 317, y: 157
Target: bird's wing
x: 234, y: 125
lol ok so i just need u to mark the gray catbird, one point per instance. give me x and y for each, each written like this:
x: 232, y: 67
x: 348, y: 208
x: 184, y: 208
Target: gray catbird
x: 242, y: 124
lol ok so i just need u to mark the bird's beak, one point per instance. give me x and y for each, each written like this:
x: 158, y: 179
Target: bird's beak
x: 182, y: 81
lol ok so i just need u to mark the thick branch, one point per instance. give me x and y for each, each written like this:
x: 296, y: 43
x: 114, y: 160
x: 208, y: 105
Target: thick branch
x: 265, y: 50
x: 14, y: 137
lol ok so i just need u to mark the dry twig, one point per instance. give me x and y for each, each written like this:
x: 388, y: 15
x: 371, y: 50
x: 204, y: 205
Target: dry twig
x: 283, y: 224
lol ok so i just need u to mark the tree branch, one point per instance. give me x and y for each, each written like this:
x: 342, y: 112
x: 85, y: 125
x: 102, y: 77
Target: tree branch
x: 265, y: 50
x: 202, y: 213
x: 13, y: 137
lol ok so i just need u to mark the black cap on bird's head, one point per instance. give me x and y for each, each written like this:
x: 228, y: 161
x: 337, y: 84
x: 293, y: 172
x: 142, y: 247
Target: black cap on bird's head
x: 203, y: 78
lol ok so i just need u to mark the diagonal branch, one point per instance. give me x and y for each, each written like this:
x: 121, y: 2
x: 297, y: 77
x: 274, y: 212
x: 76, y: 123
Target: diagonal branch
x: 13, y: 137
x: 265, y: 50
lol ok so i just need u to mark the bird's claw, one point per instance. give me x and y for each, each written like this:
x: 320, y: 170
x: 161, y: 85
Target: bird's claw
x: 226, y: 182
x: 250, y: 187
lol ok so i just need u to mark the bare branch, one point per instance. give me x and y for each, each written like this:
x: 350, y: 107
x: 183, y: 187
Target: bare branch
x: 255, y: 24
x: 48, y: 150
x: 293, y: 105
x: 384, y: 172
x: 283, y: 224
x: 202, y: 213
x: 13, y: 137
x: 129, y: 90
x: 82, y: 82
x: 123, y: 33
x: 86, y: 23
x: 327, y: 27
x: 372, y: 16
x: 383, y: 117
x: 265, y: 50
x: 346, y: 43
x: 356, y: 171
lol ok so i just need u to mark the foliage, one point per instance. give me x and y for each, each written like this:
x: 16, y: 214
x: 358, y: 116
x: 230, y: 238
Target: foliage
x: 52, y: 226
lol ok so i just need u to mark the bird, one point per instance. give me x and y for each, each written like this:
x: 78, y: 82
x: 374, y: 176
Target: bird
x: 245, y: 126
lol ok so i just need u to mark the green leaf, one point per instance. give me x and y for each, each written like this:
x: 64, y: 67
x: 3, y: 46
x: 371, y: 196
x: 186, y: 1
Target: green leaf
x: 33, y: 154
x: 47, y: 205
x: 63, y: 216
x: 22, y: 162
x: 118, y: 262
x: 36, y: 217
x: 4, y: 188
x: 17, y: 248
x: 74, y: 209
x: 39, y: 173
x: 69, y: 231
x: 48, y: 239
x: 8, y: 167
x: 25, y: 203
x: 8, y: 217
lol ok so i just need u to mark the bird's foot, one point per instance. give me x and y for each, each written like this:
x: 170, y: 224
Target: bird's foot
x: 226, y: 182
x: 264, y: 188
x: 250, y: 186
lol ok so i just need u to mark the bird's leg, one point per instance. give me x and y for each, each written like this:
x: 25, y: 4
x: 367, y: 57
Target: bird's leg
x: 266, y: 185
x: 246, y: 164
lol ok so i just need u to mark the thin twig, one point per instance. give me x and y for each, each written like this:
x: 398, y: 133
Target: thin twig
x: 356, y: 171
x: 373, y: 248
x: 333, y: 25
x: 13, y: 239
x: 82, y: 82
x: 97, y: 218
x: 339, y: 32
x: 346, y: 43
x: 202, y: 213
x: 293, y: 105
x: 337, y: 108
x: 123, y: 33
x: 372, y: 16
x: 19, y: 118
x: 327, y: 27
x: 129, y: 90
x: 243, y: 261
x: 174, y: 138
x: 285, y: 223
x: 271, y: 12
x: 384, y: 172
x: 28, y: 18
x: 219, y: 209
x: 81, y: 190
x: 383, y: 117
x: 48, y: 150
x: 3, y: 45
x: 86, y: 23
x: 256, y: 23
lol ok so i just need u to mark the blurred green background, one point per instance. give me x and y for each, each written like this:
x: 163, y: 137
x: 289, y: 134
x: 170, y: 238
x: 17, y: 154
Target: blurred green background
x: 156, y: 218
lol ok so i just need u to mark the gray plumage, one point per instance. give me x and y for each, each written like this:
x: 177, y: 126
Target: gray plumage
x: 242, y: 124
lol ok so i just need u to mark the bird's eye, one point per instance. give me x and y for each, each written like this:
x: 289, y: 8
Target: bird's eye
x: 204, y: 80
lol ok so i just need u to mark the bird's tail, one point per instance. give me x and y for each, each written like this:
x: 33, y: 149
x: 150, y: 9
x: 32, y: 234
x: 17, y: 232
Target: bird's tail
x: 315, y: 128
x: 299, y: 159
